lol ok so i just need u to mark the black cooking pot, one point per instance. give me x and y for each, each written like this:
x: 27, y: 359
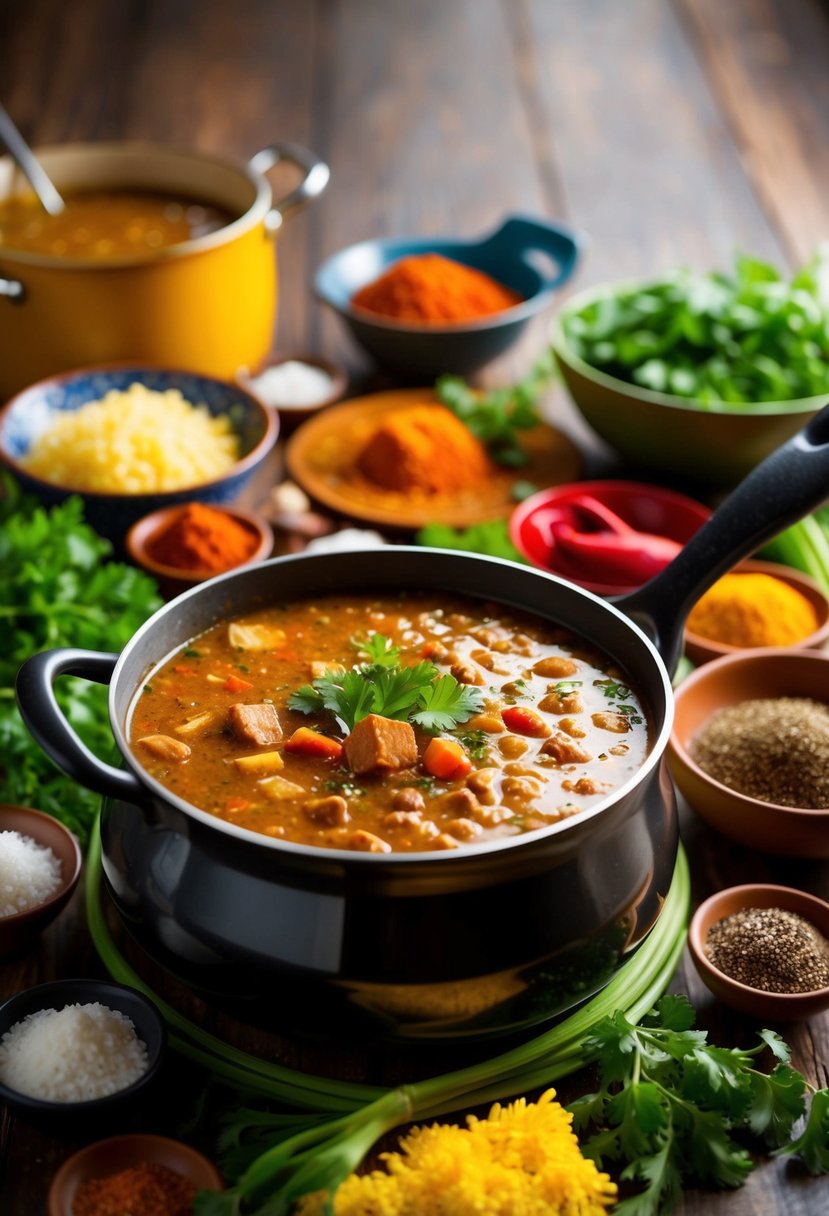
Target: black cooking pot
x: 476, y: 941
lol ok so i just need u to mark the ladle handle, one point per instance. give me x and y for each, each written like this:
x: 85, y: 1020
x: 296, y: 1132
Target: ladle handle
x: 786, y: 486
x: 27, y: 162
x: 45, y: 719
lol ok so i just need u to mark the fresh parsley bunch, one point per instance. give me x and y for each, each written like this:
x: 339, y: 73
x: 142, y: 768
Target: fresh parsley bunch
x: 670, y: 1104
x: 382, y: 685
x: 58, y: 588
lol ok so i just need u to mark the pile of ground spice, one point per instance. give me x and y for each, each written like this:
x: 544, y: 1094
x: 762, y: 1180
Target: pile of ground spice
x: 148, y: 1189
x: 430, y: 289
x: 770, y: 949
x: 424, y: 449
x: 202, y: 538
x: 773, y: 749
x: 753, y: 609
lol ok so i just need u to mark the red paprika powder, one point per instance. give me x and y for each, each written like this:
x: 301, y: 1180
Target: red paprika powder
x: 203, y: 538
x: 148, y: 1189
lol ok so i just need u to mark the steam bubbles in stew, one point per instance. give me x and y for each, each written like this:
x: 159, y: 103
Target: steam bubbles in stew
x: 406, y: 723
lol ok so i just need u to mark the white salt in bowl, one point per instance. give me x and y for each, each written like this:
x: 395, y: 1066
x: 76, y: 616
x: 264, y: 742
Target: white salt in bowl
x: 18, y: 930
x: 112, y: 1112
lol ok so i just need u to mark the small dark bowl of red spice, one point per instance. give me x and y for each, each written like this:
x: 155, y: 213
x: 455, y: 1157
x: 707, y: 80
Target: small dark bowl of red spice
x: 422, y: 306
x: 144, y: 1175
x: 764, y: 950
x: 184, y: 545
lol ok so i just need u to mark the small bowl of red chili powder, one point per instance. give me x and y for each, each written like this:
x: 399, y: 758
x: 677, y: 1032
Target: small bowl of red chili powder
x: 144, y: 1175
x: 422, y: 306
x: 184, y: 545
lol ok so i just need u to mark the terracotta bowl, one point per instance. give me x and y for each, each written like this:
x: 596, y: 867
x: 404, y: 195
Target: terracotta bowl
x: 107, y: 1157
x: 774, y: 1006
x: 172, y: 580
x: 292, y: 413
x: 701, y: 650
x: 748, y: 675
x: 19, y: 930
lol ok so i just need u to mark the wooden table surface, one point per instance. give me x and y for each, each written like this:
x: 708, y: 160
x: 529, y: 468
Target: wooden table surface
x: 669, y: 131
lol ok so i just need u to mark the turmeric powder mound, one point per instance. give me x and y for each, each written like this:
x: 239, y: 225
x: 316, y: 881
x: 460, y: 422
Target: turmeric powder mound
x: 431, y: 289
x: 424, y: 449
x: 753, y: 610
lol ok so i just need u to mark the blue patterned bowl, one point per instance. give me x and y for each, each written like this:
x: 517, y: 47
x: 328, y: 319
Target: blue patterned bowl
x: 532, y: 256
x: 28, y: 414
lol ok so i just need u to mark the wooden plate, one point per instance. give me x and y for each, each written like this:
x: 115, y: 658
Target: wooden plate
x: 322, y: 457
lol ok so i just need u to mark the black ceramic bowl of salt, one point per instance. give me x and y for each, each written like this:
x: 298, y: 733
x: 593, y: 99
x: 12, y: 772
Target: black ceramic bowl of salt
x: 80, y: 1118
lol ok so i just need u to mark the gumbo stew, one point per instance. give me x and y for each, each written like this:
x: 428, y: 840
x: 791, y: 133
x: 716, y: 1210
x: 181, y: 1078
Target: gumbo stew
x: 389, y: 724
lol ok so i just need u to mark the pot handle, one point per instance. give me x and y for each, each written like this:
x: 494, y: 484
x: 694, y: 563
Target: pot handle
x: 782, y: 489
x: 13, y: 290
x: 49, y: 726
x: 313, y: 183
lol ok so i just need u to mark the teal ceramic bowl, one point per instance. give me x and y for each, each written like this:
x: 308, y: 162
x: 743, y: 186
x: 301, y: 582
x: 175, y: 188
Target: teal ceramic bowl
x: 674, y: 434
x: 532, y: 256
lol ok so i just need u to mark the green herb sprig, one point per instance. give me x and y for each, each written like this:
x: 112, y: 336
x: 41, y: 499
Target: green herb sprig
x: 495, y: 416
x: 59, y: 589
x: 670, y: 1103
x: 736, y: 338
x: 383, y: 686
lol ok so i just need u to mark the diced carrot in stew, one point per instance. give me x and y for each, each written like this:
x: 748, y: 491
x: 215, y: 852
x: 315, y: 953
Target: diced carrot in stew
x: 236, y: 804
x: 445, y: 758
x: 307, y: 742
x: 524, y: 721
x: 237, y: 684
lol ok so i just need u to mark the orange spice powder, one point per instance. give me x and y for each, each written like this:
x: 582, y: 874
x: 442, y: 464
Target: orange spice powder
x: 203, y: 538
x: 148, y: 1189
x: 424, y: 449
x: 431, y: 289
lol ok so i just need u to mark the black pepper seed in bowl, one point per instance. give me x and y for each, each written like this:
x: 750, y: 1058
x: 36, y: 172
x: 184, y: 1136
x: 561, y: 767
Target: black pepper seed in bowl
x: 764, y: 950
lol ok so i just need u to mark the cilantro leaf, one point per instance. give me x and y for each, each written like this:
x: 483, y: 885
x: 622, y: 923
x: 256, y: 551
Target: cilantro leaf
x: 445, y: 702
x: 778, y: 1046
x: 377, y: 650
x: 663, y: 1183
x: 812, y: 1144
x: 384, y: 686
x: 776, y: 1103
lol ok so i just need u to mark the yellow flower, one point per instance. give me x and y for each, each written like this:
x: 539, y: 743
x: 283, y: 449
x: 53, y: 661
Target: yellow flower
x: 522, y: 1160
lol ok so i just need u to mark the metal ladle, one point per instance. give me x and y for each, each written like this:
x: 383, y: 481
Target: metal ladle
x: 30, y: 166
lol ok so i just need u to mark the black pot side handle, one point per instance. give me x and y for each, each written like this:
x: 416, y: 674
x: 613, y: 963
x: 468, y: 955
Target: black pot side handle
x: 787, y: 485
x: 43, y: 716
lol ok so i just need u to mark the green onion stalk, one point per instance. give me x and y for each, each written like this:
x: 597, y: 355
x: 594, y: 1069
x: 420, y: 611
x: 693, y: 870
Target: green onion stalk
x: 340, y: 1121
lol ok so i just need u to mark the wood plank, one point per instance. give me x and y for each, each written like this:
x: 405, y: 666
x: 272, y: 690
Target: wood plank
x: 650, y: 169
x: 766, y: 62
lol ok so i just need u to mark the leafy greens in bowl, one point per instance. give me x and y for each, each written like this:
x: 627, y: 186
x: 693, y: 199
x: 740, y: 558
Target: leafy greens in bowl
x: 699, y: 374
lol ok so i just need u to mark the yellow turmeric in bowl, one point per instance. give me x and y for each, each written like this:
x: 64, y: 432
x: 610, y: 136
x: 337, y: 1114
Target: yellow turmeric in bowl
x: 424, y: 449
x: 753, y: 610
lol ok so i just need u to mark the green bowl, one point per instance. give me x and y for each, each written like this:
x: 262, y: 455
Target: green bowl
x: 671, y: 434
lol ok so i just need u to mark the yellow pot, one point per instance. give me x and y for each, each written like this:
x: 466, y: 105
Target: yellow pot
x: 207, y: 305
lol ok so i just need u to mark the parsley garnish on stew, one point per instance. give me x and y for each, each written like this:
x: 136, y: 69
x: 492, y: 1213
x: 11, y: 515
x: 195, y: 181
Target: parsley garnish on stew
x: 418, y: 694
